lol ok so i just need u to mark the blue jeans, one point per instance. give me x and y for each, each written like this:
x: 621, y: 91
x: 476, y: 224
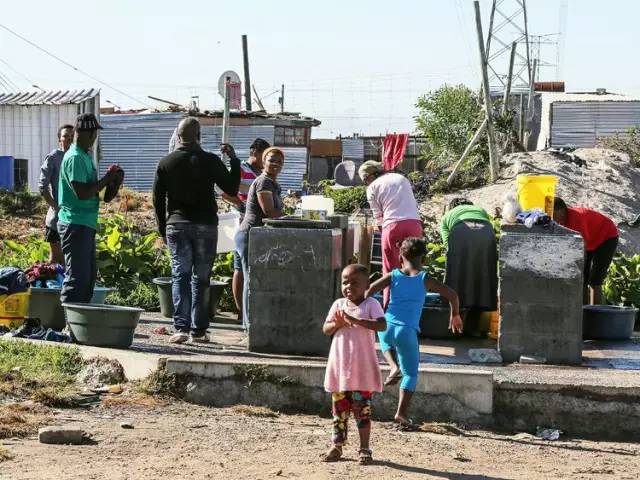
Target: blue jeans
x: 79, y: 248
x: 193, y: 250
x: 242, y: 251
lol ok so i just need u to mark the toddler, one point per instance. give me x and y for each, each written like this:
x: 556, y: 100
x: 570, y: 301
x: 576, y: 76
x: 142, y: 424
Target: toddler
x: 353, y: 373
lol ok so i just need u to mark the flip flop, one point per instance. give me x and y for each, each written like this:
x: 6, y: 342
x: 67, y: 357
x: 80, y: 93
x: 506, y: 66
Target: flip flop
x: 393, y: 379
x: 408, y: 426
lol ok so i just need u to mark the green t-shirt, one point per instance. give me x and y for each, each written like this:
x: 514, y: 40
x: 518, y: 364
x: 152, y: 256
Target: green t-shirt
x: 77, y: 166
x: 458, y: 214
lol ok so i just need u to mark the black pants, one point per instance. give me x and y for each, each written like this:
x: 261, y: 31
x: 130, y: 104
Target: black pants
x: 79, y: 248
x: 596, y: 263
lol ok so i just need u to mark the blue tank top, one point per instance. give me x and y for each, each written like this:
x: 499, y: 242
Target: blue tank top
x: 407, y: 299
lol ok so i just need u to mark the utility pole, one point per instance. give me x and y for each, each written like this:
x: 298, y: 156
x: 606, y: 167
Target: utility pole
x: 247, y: 79
x: 494, y: 160
x: 281, y: 99
x: 507, y: 90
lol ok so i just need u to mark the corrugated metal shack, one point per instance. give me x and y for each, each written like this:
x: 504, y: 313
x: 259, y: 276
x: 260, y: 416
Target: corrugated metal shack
x: 327, y: 153
x: 137, y: 142
x: 580, y: 119
x: 29, y: 123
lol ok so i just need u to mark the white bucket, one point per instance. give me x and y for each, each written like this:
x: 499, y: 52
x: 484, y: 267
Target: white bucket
x: 227, y: 227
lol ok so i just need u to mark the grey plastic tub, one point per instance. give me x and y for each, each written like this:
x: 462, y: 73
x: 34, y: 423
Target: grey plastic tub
x: 102, y: 325
x: 434, y: 322
x: 608, y: 322
x: 166, y: 298
x: 44, y: 304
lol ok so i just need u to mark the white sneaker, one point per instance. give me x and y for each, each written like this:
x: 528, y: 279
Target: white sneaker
x: 179, y: 337
x: 204, y: 338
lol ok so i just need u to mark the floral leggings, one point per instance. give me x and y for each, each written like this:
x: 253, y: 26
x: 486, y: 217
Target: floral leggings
x: 343, y: 403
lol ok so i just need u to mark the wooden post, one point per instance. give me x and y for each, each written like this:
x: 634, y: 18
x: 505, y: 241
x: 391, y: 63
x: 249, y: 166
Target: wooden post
x: 471, y: 144
x: 247, y: 79
x: 521, y: 126
x: 225, y: 113
x: 507, y: 90
x: 494, y: 160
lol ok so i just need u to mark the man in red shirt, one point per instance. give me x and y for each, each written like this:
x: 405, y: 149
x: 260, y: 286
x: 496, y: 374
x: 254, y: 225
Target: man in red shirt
x: 600, y: 237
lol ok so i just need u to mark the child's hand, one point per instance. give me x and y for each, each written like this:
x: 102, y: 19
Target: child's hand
x: 340, y: 320
x: 455, y: 324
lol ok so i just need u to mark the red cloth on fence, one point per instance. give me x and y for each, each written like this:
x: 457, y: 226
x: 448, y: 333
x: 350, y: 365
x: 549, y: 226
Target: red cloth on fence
x: 393, y: 149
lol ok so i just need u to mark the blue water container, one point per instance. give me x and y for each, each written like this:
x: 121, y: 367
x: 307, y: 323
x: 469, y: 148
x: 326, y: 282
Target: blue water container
x: 6, y: 173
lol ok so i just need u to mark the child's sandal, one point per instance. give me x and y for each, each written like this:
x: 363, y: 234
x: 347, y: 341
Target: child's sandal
x: 333, y: 455
x: 365, y: 457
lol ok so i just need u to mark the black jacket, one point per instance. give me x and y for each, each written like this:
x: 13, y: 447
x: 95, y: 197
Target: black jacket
x: 183, y: 188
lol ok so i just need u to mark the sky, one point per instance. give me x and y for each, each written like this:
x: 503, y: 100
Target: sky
x: 357, y: 66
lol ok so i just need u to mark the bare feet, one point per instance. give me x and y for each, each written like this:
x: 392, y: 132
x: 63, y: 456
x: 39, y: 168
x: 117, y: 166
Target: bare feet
x: 333, y: 455
x: 405, y: 424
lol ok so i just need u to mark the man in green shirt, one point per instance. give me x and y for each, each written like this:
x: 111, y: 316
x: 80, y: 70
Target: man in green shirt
x: 78, y: 215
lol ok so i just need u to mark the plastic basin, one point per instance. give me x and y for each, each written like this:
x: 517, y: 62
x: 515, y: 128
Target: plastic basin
x: 608, y: 322
x: 45, y: 305
x: 434, y: 322
x: 102, y: 325
x: 100, y: 294
x: 166, y: 299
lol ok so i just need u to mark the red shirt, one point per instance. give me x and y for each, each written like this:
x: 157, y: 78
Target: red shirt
x: 594, y: 227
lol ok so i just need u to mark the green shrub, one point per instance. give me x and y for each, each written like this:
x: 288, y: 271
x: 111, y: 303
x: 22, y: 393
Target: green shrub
x: 143, y: 295
x: 125, y: 257
x: 23, y: 255
x: 347, y: 200
x: 21, y: 203
x: 622, y: 285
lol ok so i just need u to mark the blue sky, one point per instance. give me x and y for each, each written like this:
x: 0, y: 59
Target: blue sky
x: 356, y: 65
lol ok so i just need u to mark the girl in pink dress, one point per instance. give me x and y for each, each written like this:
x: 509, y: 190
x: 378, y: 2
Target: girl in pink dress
x: 353, y: 373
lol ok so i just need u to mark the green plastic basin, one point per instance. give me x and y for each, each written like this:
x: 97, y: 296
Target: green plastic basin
x: 102, y: 325
x: 166, y: 298
x: 44, y: 304
x: 100, y: 294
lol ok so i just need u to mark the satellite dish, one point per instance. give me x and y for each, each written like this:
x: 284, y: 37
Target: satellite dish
x: 233, y: 76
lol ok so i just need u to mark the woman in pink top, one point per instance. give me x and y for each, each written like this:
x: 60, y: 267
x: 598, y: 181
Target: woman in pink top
x: 395, y: 209
x: 353, y: 373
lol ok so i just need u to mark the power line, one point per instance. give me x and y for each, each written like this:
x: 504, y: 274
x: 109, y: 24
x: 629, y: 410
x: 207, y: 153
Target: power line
x: 16, y: 72
x: 64, y: 62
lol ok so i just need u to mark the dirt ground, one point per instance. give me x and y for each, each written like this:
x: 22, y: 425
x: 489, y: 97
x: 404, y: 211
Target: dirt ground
x: 181, y: 441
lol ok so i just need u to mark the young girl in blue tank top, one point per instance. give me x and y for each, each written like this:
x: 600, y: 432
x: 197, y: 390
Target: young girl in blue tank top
x: 399, y: 343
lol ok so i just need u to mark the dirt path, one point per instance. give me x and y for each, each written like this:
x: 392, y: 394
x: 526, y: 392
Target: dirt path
x: 181, y: 441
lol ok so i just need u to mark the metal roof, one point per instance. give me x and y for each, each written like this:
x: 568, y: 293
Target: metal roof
x: 59, y: 97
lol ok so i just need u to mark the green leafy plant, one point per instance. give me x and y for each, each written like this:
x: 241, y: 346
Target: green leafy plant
x: 622, y: 285
x: 143, y: 296
x: 23, y: 255
x: 126, y: 257
x: 223, y: 271
x: 21, y: 203
x: 435, y: 260
x: 347, y: 200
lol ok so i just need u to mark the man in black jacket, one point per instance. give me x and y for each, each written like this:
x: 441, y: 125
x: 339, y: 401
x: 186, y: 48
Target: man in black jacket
x: 186, y: 211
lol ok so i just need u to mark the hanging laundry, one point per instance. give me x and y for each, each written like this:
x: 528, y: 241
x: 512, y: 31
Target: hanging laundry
x: 393, y: 149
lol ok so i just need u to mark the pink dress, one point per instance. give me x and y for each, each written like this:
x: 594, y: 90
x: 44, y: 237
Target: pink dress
x: 353, y: 362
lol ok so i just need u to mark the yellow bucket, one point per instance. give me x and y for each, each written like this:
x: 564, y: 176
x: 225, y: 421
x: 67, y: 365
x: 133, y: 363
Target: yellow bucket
x: 537, y: 191
x: 494, y: 325
x: 13, y: 309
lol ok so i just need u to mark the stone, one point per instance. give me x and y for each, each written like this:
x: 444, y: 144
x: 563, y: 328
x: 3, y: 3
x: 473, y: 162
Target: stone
x: 484, y: 355
x: 60, y: 435
x: 532, y: 359
x: 100, y: 371
x: 126, y: 425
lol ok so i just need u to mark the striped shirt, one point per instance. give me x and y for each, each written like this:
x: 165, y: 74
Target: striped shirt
x: 247, y: 176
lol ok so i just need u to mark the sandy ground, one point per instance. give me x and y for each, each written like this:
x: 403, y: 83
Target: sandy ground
x: 181, y: 441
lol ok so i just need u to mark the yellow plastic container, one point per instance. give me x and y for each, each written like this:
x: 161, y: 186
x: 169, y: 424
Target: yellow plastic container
x: 13, y: 309
x: 537, y: 191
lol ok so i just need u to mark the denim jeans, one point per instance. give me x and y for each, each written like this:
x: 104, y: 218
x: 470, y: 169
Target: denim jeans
x: 79, y: 248
x: 242, y: 251
x: 193, y: 250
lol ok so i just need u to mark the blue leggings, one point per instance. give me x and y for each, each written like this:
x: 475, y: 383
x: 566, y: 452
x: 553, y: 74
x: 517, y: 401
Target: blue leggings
x: 404, y: 341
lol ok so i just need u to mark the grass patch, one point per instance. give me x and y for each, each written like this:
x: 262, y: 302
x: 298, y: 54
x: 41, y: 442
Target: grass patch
x: 262, y: 373
x: 21, y: 419
x: 43, y: 372
x: 160, y: 383
x: 252, y: 411
x: 135, y: 400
